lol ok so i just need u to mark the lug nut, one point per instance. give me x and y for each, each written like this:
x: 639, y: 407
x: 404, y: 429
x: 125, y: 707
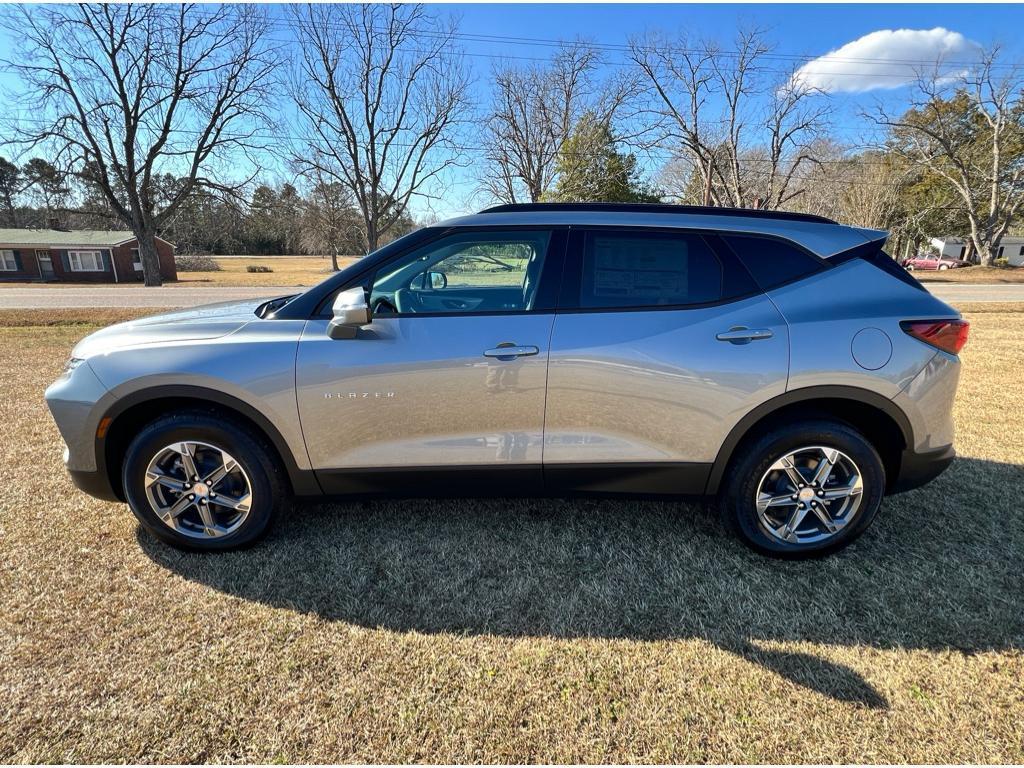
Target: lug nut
x: 191, y: 497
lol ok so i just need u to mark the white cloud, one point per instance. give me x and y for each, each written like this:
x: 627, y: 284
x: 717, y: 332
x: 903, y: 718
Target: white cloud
x: 888, y: 58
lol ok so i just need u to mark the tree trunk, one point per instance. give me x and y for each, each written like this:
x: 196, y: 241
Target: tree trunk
x: 334, y: 259
x: 150, y: 258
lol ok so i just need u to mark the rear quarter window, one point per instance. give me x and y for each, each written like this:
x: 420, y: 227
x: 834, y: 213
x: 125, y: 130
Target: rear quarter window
x: 772, y: 262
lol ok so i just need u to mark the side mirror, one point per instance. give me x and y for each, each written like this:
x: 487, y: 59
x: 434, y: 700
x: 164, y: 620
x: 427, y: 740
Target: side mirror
x: 350, y: 311
x: 429, y: 281
x: 437, y: 279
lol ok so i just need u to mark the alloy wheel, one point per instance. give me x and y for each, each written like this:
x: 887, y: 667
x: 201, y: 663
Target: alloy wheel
x: 198, y: 490
x: 809, y: 495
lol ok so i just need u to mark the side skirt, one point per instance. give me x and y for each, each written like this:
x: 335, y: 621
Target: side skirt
x: 633, y: 479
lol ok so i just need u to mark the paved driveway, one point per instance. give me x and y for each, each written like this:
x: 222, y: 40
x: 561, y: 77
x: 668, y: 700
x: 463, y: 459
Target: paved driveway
x: 48, y: 297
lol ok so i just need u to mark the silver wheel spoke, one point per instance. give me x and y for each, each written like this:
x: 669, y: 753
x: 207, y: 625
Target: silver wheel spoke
x: 166, y: 481
x: 228, y: 464
x: 792, y: 472
x: 789, y: 529
x: 822, y: 514
x: 170, y: 514
x: 208, y: 522
x: 825, y: 467
x: 766, y: 501
x: 240, y: 504
x: 851, y: 489
x: 188, y: 461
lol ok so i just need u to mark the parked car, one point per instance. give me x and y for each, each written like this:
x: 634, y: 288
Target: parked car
x: 779, y: 363
x: 934, y: 261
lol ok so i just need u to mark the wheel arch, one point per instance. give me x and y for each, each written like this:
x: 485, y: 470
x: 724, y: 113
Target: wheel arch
x: 878, y: 418
x: 133, y: 411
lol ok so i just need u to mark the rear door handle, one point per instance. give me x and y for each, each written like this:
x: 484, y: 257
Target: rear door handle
x: 742, y: 335
x: 510, y: 351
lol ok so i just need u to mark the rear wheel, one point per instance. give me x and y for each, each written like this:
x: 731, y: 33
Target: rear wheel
x: 202, y: 483
x: 943, y: 266
x: 804, y: 489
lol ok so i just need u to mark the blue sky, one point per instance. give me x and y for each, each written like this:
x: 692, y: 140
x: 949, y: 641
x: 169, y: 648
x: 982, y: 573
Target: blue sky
x: 803, y: 30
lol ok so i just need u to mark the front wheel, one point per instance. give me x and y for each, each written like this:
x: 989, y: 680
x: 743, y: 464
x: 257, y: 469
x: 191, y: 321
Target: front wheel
x: 804, y: 490
x: 202, y: 483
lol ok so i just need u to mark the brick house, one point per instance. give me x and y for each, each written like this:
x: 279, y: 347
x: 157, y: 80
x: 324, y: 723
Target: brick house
x: 81, y: 256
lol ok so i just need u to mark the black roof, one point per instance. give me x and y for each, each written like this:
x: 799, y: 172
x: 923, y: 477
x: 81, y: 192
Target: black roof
x: 752, y: 213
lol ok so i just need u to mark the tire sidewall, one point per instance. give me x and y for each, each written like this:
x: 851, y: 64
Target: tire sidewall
x: 746, y: 474
x: 236, y: 441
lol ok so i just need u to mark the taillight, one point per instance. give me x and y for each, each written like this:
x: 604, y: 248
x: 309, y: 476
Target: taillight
x: 948, y: 335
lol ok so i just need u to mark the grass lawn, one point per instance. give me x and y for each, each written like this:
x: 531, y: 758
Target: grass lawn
x: 287, y: 270
x: 586, y: 630
x: 975, y: 274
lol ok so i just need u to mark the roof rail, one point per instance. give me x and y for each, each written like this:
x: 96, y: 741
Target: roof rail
x: 753, y: 213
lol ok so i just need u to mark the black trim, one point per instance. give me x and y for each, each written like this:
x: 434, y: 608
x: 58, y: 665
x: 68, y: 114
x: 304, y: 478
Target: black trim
x: 639, y: 478
x: 725, y: 237
x: 445, y: 481
x: 749, y: 213
x: 491, y: 480
x: 916, y: 469
x: 95, y: 483
x: 828, y: 392
x: 303, y: 481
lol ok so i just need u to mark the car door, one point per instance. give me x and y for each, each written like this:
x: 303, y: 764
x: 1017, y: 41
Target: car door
x: 448, y: 376
x: 662, y: 342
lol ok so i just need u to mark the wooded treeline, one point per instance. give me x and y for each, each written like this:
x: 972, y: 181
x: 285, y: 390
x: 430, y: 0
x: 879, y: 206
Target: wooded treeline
x: 164, y: 118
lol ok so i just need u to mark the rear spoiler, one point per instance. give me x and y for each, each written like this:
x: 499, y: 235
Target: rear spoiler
x: 875, y: 243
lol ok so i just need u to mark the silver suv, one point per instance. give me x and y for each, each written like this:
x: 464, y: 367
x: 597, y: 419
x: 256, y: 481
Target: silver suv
x: 779, y: 362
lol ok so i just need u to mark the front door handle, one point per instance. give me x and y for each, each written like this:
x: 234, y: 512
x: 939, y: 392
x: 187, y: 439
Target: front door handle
x: 742, y: 335
x: 510, y: 351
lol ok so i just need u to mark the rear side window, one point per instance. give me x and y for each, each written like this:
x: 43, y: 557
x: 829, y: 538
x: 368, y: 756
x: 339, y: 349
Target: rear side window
x: 772, y: 262
x: 648, y: 269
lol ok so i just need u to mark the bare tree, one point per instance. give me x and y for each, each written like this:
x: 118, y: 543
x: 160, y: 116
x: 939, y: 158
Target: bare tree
x: 743, y: 135
x: 968, y: 129
x: 118, y: 93
x: 331, y: 222
x: 533, y: 114
x: 381, y: 92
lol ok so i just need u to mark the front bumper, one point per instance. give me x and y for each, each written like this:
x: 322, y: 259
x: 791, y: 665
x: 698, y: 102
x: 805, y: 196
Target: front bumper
x: 916, y: 468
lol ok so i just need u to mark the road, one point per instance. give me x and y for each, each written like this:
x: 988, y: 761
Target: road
x: 103, y: 296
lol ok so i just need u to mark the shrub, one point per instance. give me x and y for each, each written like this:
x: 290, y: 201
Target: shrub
x: 258, y: 268
x: 195, y: 262
x: 1004, y: 262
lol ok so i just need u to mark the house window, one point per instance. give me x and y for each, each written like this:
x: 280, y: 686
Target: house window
x: 85, y: 261
x: 7, y: 261
x: 136, y: 260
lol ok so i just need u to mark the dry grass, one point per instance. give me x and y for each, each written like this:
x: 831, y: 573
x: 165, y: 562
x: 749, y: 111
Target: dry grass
x: 288, y: 271
x: 516, y: 630
x: 976, y: 274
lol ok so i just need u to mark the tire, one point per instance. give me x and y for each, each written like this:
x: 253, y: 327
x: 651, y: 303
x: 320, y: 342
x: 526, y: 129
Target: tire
x: 909, y: 267
x: 751, y: 472
x: 256, y: 482
x: 943, y: 266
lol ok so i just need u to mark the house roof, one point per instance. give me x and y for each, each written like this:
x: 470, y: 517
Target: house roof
x: 58, y: 237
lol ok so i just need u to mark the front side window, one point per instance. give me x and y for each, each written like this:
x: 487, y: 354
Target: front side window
x: 464, y: 272
x: 85, y: 261
x: 7, y: 261
x: 648, y: 269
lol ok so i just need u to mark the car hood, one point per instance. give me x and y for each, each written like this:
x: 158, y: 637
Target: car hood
x: 207, y: 322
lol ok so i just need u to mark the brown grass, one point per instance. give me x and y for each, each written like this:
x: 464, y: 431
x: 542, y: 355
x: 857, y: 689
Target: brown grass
x: 288, y: 271
x: 523, y: 630
x: 976, y: 274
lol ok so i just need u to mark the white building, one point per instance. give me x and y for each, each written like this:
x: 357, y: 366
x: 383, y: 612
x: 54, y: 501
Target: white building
x: 1011, y: 248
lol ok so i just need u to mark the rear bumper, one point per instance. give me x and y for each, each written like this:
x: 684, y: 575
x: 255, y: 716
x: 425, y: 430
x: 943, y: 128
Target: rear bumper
x: 916, y: 469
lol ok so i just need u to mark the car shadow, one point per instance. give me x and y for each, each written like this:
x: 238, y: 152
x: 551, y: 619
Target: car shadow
x: 939, y: 569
